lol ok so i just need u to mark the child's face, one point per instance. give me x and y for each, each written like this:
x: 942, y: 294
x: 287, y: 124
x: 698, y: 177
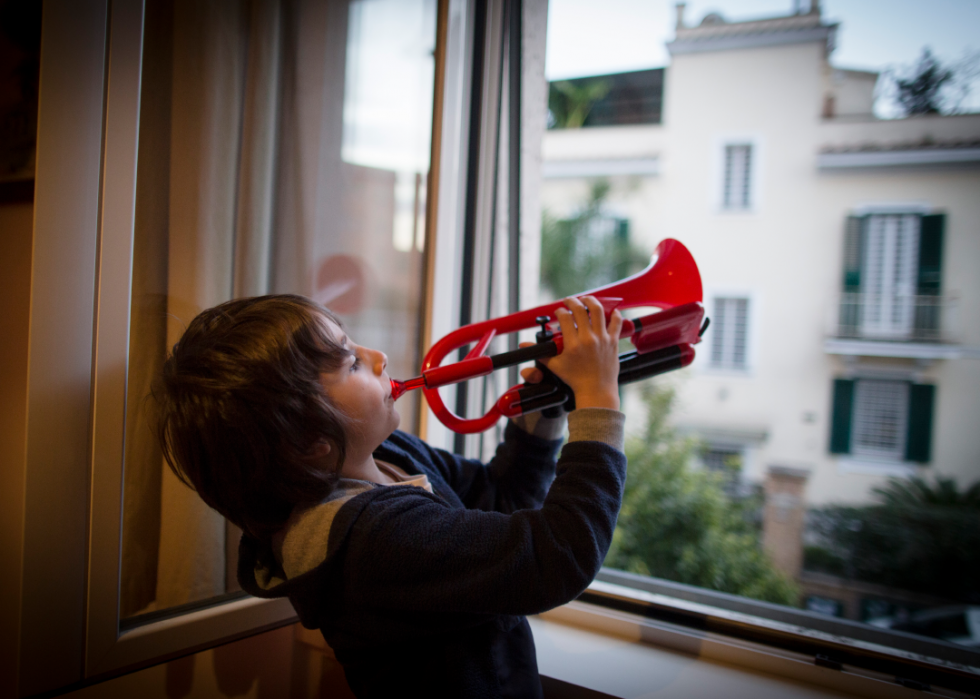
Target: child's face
x: 361, y: 389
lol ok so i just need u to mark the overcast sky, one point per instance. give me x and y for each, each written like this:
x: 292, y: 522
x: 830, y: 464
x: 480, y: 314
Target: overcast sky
x: 586, y: 37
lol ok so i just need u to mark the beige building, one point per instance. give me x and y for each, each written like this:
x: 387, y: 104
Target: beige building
x: 839, y: 255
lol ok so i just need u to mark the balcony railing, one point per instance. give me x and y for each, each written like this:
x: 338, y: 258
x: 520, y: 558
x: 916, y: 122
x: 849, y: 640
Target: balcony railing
x: 896, y: 318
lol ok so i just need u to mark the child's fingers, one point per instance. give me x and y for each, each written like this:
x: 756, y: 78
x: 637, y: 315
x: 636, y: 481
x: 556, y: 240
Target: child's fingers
x: 566, y: 321
x: 580, y: 312
x: 597, y: 317
x: 615, y: 324
x: 531, y: 374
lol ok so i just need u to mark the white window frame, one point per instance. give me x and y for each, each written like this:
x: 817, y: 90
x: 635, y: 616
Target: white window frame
x: 867, y: 464
x: 862, y: 408
x: 719, y: 162
x: 703, y: 357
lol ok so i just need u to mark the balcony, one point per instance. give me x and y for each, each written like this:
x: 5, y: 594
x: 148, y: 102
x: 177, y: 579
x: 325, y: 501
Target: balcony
x: 906, y: 326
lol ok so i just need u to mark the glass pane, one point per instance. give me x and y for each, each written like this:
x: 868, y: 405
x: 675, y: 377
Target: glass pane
x: 284, y: 148
x: 772, y: 129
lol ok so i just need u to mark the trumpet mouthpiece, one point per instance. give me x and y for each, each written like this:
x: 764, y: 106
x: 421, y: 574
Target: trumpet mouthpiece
x: 399, y: 388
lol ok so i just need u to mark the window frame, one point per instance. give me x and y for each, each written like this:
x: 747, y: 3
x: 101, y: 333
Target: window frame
x: 721, y: 144
x: 703, y: 359
x: 727, y: 322
x: 82, y: 274
x: 80, y: 319
x: 868, y: 659
x: 849, y: 462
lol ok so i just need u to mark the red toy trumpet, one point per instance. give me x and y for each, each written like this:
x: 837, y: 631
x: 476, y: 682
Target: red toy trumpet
x: 663, y: 341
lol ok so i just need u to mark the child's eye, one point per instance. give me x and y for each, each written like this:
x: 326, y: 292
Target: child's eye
x: 356, y: 364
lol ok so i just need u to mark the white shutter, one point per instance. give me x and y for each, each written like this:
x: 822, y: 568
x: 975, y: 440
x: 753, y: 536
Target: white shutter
x: 889, y: 276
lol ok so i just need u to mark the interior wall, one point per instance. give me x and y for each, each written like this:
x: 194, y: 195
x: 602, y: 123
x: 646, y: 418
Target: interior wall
x: 16, y: 238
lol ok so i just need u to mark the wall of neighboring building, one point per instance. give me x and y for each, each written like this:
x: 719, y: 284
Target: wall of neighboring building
x: 784, y: 252
x: 956, y: 446
x: 852, y: 92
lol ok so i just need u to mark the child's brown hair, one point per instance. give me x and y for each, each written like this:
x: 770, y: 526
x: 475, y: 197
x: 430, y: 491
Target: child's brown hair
x: 242, y: 408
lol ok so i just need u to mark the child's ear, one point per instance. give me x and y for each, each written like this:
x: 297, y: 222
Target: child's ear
x: 320, y: 450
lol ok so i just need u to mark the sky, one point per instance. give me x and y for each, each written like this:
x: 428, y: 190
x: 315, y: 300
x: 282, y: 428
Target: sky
x: 590, y: 38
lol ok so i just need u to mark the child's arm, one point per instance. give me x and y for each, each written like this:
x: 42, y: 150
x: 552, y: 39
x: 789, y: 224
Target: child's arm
x: 410, y: 552
x: 522, y: 469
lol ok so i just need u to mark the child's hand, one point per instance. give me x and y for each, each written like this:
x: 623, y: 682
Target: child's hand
x: 589, y: 362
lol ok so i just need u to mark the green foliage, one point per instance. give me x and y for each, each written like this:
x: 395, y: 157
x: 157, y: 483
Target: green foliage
x: 588, y: 250
x: 919, y: 537
x: 916, y: 491
x: 677, y: 523
x: 570, y: 102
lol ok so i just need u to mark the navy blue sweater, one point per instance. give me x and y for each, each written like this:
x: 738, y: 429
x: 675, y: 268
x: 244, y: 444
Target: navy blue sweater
x: 427, y: 592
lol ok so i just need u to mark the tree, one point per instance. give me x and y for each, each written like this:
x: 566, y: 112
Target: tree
x: 677, y: 523
x: 916, y: 492
x: 918, y: 536
x: 587, y: 250
x: 930, y: 87
x: 919, y: 92
x: 569, y: 103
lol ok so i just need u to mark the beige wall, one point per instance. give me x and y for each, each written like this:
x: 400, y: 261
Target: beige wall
x: 785, y: 252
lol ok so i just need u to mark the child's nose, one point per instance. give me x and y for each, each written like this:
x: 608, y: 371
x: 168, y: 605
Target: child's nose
x: 380, y: 361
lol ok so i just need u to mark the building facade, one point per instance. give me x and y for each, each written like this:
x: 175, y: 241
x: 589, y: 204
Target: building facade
x: 838, y: 254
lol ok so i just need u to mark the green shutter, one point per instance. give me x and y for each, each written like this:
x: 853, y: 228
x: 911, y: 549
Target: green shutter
x: 853, y: 252
x: 840, y: 425
x: 918, y: 446
x: 931, y: 255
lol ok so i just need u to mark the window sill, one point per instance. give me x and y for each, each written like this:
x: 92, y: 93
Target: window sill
x: 869, y: 466
x: 739, y: 372
x: 589, y: 649
x: 787, y: 643
x: 899, y: 349
x: 735, y: 211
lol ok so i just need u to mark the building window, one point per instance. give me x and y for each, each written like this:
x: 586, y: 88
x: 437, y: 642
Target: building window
x: 727, y: 461
x: 737, y: 192
x: 892, y: 275
x: 882, y: 419
x: 729, y: 335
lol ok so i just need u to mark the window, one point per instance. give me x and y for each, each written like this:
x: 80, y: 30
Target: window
x: 729, y: 333
x: 883, y: 420
x: 880, y: 418
x: 727, y: 461
x: 84, y: 246
x: 892, y: 277
x: 737, y: 192
x: 729, y: 124
x: 208, y: 170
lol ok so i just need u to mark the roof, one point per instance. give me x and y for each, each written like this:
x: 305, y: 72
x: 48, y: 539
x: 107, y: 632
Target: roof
x: 923, y: 144
x: 717, y: 34
x: 965, y: 151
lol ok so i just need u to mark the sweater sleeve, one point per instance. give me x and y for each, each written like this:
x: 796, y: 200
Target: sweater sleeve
x: 521, y: 471
x: 412, y: 552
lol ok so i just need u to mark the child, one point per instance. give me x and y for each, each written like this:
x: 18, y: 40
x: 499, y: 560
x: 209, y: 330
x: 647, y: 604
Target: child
x: 417, y: 565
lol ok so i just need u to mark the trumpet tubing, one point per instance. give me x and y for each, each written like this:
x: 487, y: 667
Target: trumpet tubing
x: 670, y: 282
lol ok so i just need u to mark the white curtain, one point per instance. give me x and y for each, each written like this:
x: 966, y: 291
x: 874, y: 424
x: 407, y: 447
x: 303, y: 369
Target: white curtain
x: 242, y: 191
